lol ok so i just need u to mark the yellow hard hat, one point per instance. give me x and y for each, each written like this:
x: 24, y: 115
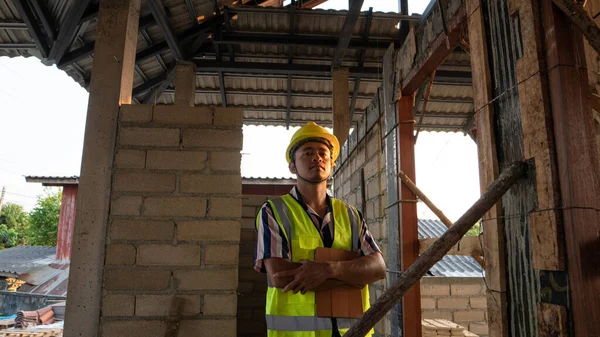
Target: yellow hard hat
x: 309, y: 131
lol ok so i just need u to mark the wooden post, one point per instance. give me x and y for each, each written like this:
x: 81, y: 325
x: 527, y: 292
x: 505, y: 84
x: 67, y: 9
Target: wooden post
x: 341, y: 104
x: 577, y: 157
x: 111, y: 85
x: 439, y: 248
x: 185, y: 83
x: 408, y: 224
x: 493, y: 235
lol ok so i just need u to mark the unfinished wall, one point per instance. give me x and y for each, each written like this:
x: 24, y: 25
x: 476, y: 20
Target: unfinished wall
x: 461, y: 300
x: 174, y: 224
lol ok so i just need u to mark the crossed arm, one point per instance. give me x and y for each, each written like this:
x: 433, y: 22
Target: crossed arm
x: 310, y: 275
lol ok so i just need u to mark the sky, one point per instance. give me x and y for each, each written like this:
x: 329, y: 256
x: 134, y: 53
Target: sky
x: 42, y: 121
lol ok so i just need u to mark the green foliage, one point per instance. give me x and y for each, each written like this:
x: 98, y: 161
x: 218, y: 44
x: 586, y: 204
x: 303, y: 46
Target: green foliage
x: 43, y: 219
x: 475, y: 230
x: 14, y: 223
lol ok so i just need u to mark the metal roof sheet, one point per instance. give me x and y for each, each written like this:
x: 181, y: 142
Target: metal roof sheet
x: 20, y: 259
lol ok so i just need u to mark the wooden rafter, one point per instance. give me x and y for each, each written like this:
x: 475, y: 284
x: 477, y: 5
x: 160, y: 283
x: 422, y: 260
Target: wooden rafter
x: 68, y: 30
x: 34, y: 29
x: 291, y: 51
x: 160, y: 15
x: 361, y: 62
x: 426, y: 96
x: 189, y: 5
x: 45, y: 18
x: 346, y: 32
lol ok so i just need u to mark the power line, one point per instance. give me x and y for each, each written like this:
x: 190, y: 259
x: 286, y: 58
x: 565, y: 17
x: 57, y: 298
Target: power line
x: 22, y: 195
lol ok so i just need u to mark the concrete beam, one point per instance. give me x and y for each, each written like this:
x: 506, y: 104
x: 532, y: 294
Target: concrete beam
x: 341, y: 104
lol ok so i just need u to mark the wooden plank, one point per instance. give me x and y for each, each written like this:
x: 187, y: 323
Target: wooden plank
x: 160, y: 15
x: 468, y: 245
x: 185, y: 84
x: 552, y: 320
x: 577, y: 158
x: 408, y: 224
x: 493, y: 235
x: 341, y: 104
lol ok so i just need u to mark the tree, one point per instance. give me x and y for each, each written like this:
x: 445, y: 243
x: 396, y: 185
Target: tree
x: 43, y: 219
x: 14, y: 223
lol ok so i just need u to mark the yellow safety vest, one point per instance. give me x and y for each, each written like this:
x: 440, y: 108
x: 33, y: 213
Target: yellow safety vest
x: 294, y: 315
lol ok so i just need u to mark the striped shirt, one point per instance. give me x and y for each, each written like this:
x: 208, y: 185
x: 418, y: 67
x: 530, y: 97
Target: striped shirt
x: 272, y: 243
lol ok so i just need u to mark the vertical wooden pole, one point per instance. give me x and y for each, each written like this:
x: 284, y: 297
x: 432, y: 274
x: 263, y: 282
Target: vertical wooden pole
x: 577, y: 157
x: 341, y: 104
x: 493, y: 235
x: 111, y: 85
x: 409, y: 238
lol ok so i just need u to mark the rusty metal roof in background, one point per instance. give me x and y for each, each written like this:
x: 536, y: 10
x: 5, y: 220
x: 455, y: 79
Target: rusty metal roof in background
x: 259, y: 51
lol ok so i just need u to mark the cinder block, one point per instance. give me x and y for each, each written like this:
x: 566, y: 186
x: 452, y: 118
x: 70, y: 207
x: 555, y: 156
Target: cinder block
x: 221, y: 254
x: 169, y: 255
x: 253, y: 301
x: 211, y: 183
x: 121, y: 229
x: 373, y: 189
x: 453, y: 303
x: 208, y: 230
x: 248, y: 223
x: 182, y: 115
x: 208, y: 328
x: 213, y: 138
x: 119, y: 254
x: 469, y: 316
x: 465, y: 289
x: 161, y: 305
x: 478, y: 302
x: 144, y: 182
x: 479, y: 328
x: 206, y: 279
x: 435, y: 289
x: 249, y: 211
x: 118, y: 305
x: 247, y: 235
x: 175, y: 206
x: 245, y: 287
x: 136, y: 279
x: 130, y: 159
x: 434, y: 314
x: 253, y: 200
x: 225, y: 207
x: 216, y: 304
x: 148, y: 136
x: 229, y: 117
x: 176, y: 160
x: 136, y: 113
x: 137, y: 328
x: 427, y: 303
x: 226, y: 161
x: 372, y: 167
x: 126, y: 205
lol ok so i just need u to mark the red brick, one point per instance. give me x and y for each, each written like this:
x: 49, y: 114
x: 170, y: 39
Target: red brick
x: 135, y: 328
x: 182, y: 115
x: 120, y: 254
x: 136, y: 113
x: 229, y: 116
x: 226, y: 161
x: 149, y: 137
x: 213, y: 138
x: 175, y: 206
x: 206, y: 279
x: 208, y: 328
x: 160, y: 305
x: 130, y: 159
x: 118, y: 305
x: 144, y: 182
x: 169, y: 255
x: 176, y: 160
x: 162, y: 230
x: 136, y: 279
x: 221, y: 254
x: 216, y: 304
x: 225, y: 207
x: 210, y: 183
x: 208, y: 230
x: 126, y: 205
x: 453, y: 303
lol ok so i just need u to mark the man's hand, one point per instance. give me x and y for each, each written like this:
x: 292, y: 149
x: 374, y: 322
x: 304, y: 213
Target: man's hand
x: 306, y: 277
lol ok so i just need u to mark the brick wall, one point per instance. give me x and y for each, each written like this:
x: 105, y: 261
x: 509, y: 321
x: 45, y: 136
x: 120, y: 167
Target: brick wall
x: 174, y: 225
x: 461, y: 300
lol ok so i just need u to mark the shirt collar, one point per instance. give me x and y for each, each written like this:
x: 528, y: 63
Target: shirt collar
x: 296, y: 195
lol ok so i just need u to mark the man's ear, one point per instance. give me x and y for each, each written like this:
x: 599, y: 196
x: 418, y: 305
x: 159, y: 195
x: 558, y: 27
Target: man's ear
x: 292, y: 167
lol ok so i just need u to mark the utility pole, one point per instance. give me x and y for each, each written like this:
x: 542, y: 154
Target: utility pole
x: 2, y: 196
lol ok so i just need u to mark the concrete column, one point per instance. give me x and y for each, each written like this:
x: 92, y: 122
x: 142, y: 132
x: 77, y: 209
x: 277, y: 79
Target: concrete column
x: 341, y: 104
x: 111, y: 85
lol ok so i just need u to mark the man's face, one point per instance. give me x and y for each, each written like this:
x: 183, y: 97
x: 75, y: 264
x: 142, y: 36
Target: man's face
x: 312, y: 161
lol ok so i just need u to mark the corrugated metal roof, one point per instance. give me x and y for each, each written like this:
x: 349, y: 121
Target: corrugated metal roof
x: 20, y: 259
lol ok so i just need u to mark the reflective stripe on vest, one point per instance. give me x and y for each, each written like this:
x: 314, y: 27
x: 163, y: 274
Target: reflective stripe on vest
x: 294, y: 315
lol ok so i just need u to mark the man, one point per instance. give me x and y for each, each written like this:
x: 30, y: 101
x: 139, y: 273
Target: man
x: 291, y: 227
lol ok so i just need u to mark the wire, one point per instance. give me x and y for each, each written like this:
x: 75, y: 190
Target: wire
x: 21, y: 195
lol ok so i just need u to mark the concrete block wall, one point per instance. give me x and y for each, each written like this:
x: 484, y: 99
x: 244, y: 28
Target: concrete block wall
x: 461, y: 300
x: 174, y: 225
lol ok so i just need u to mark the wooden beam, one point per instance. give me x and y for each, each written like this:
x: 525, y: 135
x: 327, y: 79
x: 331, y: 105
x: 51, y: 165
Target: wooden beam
x: 426, y: 96
x: 346, y: 32
x: 361, y: 62
x: 189, y: 5
x: 416, y: 191
x: 159, y: 84
x: 437, y: 251
x: 408, y: 225
x: 34, y: 29
x: 160, y: 15
x: 467, y: 246
x: 185, y: 84
x: 578, y: 162
x: 581, y: 19
x: 46, y: 18
x: 341, y: 117
x: 68, y: 30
